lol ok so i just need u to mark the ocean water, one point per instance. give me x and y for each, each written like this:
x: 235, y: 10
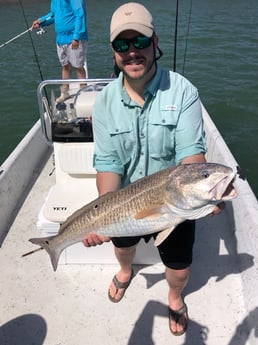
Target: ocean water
x: 216, y: 49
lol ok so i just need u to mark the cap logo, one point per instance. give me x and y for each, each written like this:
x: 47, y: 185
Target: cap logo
x: 128, y: 13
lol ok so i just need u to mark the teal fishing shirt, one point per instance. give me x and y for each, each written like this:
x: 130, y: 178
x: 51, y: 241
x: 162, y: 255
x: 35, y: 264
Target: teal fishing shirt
x: 70, y: 19
x: 135, y: 141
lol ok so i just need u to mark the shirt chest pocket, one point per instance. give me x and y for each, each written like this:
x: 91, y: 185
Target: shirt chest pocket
x: 162, y: 134
x: 123, y: 140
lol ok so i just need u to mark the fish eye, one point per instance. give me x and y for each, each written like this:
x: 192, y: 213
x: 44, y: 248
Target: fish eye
x: 205, y: 174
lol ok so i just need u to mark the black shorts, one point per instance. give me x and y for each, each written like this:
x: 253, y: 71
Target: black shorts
x: 175, y: 252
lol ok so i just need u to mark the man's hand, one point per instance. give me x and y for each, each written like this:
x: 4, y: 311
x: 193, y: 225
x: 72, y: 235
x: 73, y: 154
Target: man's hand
x: 36, y: 24
x: 93, y: 240
x: 218, y: 208
x: 75, y: 44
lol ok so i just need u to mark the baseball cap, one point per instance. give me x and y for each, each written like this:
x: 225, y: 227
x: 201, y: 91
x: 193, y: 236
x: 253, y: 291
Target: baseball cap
x: 131, y: 16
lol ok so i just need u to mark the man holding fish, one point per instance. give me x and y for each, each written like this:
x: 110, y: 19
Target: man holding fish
x: 146, y: 120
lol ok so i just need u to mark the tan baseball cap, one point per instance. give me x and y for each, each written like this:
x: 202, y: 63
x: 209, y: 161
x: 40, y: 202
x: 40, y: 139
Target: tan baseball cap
x: 131, y: 16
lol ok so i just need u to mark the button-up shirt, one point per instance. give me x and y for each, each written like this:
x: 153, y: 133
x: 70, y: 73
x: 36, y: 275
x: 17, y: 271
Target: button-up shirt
x: 136, y: 141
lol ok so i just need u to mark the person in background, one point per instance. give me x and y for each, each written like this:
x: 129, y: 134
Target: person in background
x: 146, y: 120
x: 70, y: 19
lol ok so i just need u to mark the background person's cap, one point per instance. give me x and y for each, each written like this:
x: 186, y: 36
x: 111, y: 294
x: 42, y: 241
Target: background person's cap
x: 131, y: 16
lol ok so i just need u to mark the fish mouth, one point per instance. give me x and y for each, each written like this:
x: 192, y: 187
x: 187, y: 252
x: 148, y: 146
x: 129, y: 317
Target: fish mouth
x: 224, y: 189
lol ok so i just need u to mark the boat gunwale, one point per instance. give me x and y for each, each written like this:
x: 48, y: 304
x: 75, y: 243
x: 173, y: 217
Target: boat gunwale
x: 18, y: 174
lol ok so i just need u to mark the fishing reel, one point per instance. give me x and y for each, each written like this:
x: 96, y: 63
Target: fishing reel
x: 41, y: 31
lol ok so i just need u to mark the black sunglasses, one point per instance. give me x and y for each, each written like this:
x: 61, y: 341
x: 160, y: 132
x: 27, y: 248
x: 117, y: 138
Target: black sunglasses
x: 123, y: 45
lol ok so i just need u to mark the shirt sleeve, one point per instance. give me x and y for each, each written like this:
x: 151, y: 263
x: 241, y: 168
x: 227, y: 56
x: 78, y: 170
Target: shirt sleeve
x: 47, y: 19
x: 80, y: 26
x: 105, y: 155
x: 190, y: 136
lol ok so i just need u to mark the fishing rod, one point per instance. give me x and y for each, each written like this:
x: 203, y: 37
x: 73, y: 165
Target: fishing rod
x: 14, y: 38
x: 31, y: 41
x: 187, y: 36
x: 175, y: 36
x: 40, y: 32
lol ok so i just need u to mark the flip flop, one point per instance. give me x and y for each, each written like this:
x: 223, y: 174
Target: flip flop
x: 120, y: 285
x: 175, y: 315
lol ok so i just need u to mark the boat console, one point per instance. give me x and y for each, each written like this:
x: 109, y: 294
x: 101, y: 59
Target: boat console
x: 67, y: 127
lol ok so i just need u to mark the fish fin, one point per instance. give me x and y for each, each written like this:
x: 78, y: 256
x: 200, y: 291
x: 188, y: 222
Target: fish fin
x: 154, y: 212
x: 163, y: 235
x: 45, y: 243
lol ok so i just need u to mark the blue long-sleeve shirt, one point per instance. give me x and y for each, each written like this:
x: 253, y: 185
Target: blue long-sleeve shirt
x: 70, y: 19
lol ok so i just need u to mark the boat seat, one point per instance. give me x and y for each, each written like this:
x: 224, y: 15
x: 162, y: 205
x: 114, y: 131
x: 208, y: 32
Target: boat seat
x: 73, y: 161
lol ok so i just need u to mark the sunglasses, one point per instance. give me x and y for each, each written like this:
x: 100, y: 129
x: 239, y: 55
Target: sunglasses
x: 123, y: 45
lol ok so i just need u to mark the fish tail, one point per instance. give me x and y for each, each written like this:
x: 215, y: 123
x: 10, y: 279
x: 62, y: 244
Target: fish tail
x: 53, y: 251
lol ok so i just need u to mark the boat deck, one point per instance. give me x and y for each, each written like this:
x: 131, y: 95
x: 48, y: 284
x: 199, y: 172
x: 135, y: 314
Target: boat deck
x: 70, y: 306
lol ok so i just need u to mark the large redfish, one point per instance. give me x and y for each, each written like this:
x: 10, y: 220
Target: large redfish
x: 155, y: 203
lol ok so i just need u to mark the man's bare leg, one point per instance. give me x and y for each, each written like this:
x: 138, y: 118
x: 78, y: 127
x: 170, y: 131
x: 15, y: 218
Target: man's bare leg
x: 177, y: 280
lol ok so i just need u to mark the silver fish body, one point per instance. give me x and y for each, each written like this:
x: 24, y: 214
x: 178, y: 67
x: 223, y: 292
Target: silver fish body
x: 155, y: 203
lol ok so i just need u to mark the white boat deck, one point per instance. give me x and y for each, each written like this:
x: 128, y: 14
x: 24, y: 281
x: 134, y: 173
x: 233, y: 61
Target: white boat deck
x: 70, y: 306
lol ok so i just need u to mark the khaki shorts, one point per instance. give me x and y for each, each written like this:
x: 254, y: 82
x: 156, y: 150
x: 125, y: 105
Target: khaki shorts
x: 76, y: 57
